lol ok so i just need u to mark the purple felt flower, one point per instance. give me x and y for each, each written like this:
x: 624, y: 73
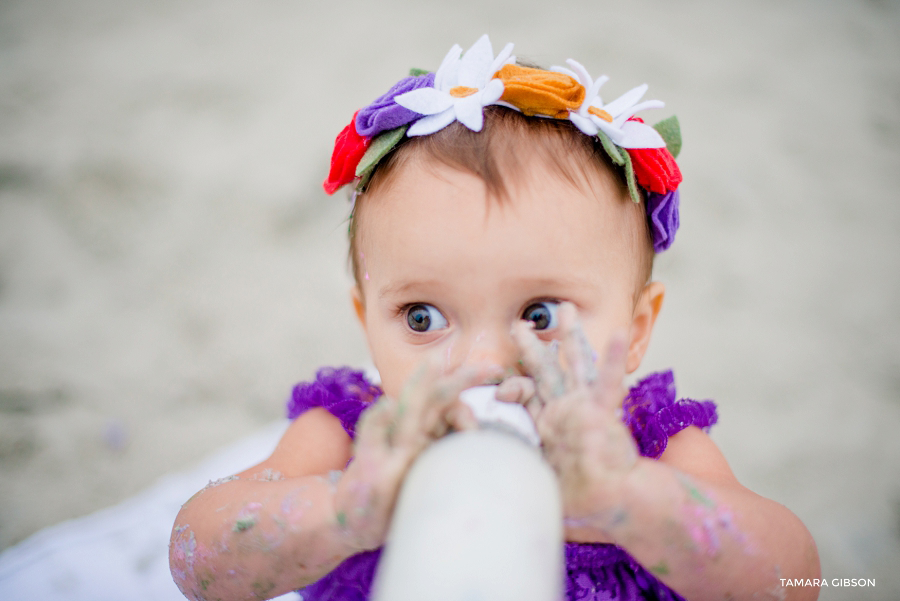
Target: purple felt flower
x: 385, y: 114
x: 663, y: 212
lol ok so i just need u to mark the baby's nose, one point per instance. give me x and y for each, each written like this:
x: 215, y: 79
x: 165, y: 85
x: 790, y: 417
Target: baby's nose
x: 496, y: 348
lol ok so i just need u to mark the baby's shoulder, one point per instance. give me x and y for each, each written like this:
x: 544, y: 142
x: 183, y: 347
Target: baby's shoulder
x: 343, y: 392
x: 324, y: 412
x: 693, y: 452
x: 314, y: 443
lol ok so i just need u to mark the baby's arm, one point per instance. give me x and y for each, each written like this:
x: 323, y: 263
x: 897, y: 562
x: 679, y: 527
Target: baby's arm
x: 293, y: 518
x: 690, y: 522
x: 271, y: 528
x: 684, y: 517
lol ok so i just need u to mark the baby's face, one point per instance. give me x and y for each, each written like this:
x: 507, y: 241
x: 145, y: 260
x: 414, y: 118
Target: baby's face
x: 445, y: 270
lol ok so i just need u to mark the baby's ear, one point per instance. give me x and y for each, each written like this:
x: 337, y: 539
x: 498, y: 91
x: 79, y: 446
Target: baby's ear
x: 359, y: 305
x: 645, y: 313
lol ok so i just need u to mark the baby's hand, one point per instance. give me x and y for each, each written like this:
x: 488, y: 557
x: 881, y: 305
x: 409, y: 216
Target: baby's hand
x: 390, y: 435
x: 575, y: 412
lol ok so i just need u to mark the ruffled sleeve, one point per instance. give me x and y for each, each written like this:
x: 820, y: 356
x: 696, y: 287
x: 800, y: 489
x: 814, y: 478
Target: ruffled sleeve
x: 343, y: 391
x: 653, y: 415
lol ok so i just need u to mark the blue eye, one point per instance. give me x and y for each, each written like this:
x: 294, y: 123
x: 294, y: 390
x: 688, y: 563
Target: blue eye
x: 543, y: 314
x: 424, y: 318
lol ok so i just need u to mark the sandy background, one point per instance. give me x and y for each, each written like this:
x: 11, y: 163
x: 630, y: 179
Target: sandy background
x: 169, y: 265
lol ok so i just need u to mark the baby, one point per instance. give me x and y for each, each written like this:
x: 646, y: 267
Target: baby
x: 504, y: 227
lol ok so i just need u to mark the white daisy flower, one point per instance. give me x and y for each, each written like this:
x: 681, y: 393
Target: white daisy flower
x: 462, y: 88
x: 612, y: 119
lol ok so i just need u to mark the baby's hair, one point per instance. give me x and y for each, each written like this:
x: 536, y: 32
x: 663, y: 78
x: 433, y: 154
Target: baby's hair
x: 492, y: 155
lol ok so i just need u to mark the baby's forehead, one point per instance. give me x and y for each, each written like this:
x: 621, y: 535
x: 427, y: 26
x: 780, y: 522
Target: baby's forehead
x: 531, y: 183
x: 439, y: 217
x: 507, y: 151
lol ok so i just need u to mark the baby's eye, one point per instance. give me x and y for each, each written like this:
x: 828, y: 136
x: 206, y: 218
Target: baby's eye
x: 424, y: 318
x: 543, y: 314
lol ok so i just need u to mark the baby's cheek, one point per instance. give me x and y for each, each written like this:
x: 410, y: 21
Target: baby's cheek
x: 395, y: 376
x: 392, y: 389
x: 599, y: 330
x: 598, y: 339
x: 390, y: 371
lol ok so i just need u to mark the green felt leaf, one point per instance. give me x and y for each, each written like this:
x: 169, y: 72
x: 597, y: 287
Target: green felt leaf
x: 416, y: 72
x: 670, y: 130
x: 364, y: 181
x: 382, y: 144
x: 615, y: 153
x: 630, y: 179
x: 621, y: 158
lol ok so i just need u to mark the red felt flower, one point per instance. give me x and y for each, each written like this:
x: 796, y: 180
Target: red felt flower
x: 655, y: 168
x: 349, y: 148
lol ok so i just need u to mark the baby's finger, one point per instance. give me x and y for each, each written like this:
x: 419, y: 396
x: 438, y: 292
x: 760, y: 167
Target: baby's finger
x: 517, y: 389
x: 413, y: 397
x: 576, y: 349
x: 534, y: 406
x: 540, y: 362
x: 373, y: 429
x: 432, y: 408
x: 460, y: 417
x: 521, y: 390
x: 608, y: 387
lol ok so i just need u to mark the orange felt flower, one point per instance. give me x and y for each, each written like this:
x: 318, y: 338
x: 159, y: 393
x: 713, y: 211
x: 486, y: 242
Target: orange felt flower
x: 539, y: 92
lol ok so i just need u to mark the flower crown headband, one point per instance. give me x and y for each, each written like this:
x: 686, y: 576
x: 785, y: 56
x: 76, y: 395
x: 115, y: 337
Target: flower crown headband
x: 463, y: 85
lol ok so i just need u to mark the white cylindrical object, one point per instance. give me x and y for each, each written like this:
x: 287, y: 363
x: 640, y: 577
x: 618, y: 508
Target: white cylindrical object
x: 479, y: 517
x: 511, y: 417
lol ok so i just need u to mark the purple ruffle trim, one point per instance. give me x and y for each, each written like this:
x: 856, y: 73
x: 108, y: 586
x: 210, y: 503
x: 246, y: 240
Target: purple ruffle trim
x: 350, y: 581
x: 650, y: 409
x: 385, y: 114
x: 599, y: 572
x: 343, y: 391
x: 663, y: 212
x: 653, y: 415
x: 594, y: 572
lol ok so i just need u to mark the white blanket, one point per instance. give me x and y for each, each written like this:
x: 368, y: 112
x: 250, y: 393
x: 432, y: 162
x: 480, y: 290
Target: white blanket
x: 121, y: 553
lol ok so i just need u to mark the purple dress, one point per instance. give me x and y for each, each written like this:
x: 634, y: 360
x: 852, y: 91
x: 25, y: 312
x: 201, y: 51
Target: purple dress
x: 594, y: 571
